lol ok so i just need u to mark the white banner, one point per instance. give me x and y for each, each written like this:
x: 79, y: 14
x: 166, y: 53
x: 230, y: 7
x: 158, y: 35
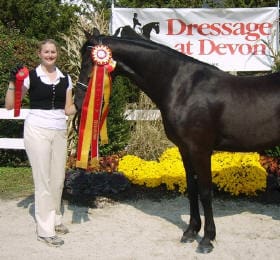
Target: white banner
x: 233, y: 39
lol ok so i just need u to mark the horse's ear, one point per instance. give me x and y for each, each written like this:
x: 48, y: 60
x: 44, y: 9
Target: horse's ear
x: 95, y: 32
x: 87, y: 34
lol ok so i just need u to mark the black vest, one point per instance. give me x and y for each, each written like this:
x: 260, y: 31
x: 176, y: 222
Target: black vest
x: 45, y: 96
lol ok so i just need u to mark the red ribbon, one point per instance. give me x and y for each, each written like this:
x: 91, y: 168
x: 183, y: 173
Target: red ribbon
x: 92, y: 119
x: 97, y: 110
x: 93, y: 124
x: 20, y: 76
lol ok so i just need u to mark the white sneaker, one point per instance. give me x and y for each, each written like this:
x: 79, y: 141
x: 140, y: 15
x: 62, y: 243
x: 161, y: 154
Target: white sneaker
x: 51, y: 241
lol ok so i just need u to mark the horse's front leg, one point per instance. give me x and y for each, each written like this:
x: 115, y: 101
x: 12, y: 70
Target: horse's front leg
x: 195, y: 221
x: 199, y: 182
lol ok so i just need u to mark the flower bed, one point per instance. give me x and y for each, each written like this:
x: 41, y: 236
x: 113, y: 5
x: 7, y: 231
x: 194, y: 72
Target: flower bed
x: 236, y: 173
x: 233, y: 173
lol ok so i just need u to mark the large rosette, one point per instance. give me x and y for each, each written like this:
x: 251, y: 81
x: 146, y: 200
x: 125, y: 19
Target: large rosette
x: 101, y: 55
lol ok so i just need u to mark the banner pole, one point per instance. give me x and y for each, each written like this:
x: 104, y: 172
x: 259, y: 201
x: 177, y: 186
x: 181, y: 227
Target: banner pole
x: 111, y: 20
x: 277, y: 38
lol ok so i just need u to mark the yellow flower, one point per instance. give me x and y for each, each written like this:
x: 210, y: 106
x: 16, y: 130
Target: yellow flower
x: 236, y: 173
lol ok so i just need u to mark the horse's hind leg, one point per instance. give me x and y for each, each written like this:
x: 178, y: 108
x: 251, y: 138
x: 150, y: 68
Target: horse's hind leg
x: 203, y: 168
x: 195, y: 222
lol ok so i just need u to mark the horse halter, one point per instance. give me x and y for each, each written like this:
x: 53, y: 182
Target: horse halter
x: 83, y: 86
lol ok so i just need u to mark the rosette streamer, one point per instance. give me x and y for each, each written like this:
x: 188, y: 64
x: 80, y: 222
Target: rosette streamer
x: 20, y: 76
x: 95, y: 108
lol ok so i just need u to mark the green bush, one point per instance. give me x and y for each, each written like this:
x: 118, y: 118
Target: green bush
x: 14, y: 49
x: 118, y: 126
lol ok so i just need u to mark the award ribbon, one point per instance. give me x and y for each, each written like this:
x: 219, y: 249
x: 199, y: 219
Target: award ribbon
x: 20, y: 76
x: 95, y: 108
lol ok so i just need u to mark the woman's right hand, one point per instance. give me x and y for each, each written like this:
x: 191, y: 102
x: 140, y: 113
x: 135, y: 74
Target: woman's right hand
x: 14, y: 71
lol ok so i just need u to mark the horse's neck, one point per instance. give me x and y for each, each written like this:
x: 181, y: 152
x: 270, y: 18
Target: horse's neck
x: 141, y: 69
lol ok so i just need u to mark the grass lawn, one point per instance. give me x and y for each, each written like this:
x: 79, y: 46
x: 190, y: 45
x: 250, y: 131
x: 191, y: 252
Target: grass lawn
x: 15, y: 182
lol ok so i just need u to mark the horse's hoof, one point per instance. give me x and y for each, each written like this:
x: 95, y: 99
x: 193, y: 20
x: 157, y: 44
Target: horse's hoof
x: 188, y: 238
x: 204, y: 249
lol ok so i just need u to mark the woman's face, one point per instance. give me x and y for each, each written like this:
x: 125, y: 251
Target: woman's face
x: 48, y: 54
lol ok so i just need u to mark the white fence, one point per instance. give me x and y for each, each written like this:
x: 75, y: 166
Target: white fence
x: 18, y: 144
x: 12, y: 143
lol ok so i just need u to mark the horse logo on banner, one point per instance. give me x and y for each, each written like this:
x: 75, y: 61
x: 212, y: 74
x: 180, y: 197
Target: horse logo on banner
x: 137, y: 30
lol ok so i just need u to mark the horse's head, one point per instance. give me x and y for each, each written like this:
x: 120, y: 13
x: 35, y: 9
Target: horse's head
x: 86, y: 67
x: 156, y: 27
x: 93, y: 39
x: 136, y: 59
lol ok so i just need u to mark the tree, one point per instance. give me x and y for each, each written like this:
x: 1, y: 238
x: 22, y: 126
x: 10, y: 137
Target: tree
x: 37, y: 19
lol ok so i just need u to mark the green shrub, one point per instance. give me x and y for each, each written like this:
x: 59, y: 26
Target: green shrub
x: 118, y: 126
x: 14, y: 49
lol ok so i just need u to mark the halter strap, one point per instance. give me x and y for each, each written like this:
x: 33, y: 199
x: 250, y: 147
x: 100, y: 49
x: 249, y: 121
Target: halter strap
x: 84, y: 86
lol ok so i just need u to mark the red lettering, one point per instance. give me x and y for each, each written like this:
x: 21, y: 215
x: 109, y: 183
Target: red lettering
x: 184, y: 48
x: 190, y: 27
x: 245, y: 49
x: 208, y: 47
x: 203, y: 49
x: 252, y: 28
x: 232, y: 48
x: 265, y: 28
x: 251, y: 31
x: 203, y: 29
x: 240, y: 29
x: 259, y: 49
x: 171, y: 28
x: 215, y: 29
x: 226, y: 29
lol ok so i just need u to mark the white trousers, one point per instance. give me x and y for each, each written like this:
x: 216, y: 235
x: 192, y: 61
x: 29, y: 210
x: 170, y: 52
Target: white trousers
x: 47, y: 151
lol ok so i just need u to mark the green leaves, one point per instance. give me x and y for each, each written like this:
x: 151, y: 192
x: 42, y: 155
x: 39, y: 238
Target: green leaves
x: 37, y: 19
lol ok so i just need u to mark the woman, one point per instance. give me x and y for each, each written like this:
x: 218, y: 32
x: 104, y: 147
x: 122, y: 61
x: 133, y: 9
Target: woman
x: 45, y: 129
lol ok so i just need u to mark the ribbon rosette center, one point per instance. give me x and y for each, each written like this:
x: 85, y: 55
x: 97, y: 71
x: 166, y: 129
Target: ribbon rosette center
x: 101, y: 54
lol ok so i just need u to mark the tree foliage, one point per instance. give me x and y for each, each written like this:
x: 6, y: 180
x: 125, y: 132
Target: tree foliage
x: 37, y: 19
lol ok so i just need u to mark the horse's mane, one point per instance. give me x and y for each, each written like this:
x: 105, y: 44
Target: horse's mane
x: 163, y: 48
x: 150, y: 45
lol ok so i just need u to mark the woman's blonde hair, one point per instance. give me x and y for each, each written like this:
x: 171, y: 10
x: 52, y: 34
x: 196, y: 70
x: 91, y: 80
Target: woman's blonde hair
x: 52, y: 41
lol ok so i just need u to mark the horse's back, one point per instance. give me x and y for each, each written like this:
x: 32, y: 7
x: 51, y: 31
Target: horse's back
x: 241, y: 113
x: 250, y: 117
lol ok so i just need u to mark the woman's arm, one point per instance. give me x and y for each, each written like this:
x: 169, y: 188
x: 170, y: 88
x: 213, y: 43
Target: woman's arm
x: 70, y: 108
x: 10, y: 95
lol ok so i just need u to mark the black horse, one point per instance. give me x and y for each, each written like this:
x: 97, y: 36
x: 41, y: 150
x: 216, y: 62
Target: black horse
x: 203, y: 109
x: 146, y: 30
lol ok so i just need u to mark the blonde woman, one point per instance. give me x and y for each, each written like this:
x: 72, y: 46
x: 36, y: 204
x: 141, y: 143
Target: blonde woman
x: 50, y: 93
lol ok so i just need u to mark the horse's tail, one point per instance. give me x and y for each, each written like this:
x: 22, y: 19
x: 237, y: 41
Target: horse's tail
x: 117, y: 32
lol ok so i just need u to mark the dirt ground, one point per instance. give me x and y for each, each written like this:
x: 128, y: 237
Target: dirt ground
x: 142, y: 229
